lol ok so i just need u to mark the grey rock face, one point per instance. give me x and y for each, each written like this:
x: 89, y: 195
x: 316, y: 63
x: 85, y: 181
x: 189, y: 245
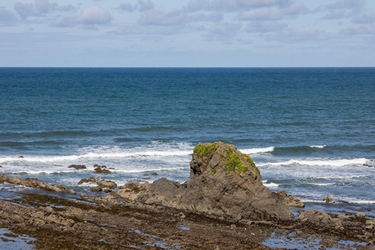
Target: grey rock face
x: 224, y: 183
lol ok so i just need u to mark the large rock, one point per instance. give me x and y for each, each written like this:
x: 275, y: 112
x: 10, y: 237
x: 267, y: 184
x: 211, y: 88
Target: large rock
x: 224, y: 183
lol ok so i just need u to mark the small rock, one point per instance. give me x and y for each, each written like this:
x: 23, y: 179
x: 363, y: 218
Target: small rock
x: 49, y: 209
x: 327, y: 199
x: 360, y: 216
x: 77, y: 166
x: 291, y: 200
x: 101, y: 169
x: 182, y: 215
x: 232, y: 226
x: 96, y: 189
x: 21, y: 156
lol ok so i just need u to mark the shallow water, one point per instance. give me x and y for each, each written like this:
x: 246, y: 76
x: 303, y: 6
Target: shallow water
x: 11, y: 241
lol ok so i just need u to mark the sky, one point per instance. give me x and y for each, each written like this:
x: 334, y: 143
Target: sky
x: 187, y: 33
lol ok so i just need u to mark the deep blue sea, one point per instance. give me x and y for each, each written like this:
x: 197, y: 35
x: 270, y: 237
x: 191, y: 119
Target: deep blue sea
x: 311, y: 131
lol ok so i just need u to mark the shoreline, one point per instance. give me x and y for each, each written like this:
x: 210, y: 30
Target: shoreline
x: 59, y: 219
x: 88, y: 222
x: 224, y: 205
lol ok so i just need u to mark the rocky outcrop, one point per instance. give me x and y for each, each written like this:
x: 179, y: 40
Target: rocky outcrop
x: 77, y: 166
x: 291, y: 200
x: 103, y: 185
x: 101, y: 169
x: 35, y: 183
x: 224, y: 183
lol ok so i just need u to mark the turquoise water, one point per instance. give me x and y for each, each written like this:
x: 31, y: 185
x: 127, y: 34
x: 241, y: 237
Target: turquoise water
x: 309, y: 130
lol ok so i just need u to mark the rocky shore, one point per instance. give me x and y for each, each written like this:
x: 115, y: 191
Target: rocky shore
x: 224, y: 205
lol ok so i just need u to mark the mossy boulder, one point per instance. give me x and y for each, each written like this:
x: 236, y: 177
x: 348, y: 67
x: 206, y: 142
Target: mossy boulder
x: 212, y: 155
x: 224, y: 184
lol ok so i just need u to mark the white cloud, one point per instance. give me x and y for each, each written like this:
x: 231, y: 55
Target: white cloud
x: 345, y: 4
x: 40, y: 7
x: 265, y: 26
x: 295, y: 8
x: 341, y: 9
x: 92, y: 15
x: 223, y: 31
x: 211, y: 17
x: 262, y: 14
x: 127, y: 7
x: 197, y: 5
x: 140, y: 6
x: 360, y: 29
x: 228, y: 5
x: 6, y: 16
x: 159, y: 17
x: 368, y: 17
x: 145, y: 5
x: 309, y: 34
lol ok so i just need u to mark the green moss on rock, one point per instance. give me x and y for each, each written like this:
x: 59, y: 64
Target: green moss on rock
x: 250, y: 160
x: 234, y: 163
x: 203, y: 150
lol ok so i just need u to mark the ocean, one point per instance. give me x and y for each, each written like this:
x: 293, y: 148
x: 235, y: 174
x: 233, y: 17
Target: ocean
x: 310, y: 131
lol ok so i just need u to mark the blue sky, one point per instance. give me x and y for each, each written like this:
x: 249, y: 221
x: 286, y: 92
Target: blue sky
x: 187, y: 33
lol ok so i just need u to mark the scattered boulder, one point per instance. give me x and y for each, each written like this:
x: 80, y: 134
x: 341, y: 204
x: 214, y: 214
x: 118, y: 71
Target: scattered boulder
x: 327, y: 199
x: 21, y: 156
x: 77, y: 166
x: 35, y: 183
x: 96, y: 189
x: 101, y: 169
x: 291, y: 200
x: 224, y: 183
x: 360, y: 216
x: 103, y: 185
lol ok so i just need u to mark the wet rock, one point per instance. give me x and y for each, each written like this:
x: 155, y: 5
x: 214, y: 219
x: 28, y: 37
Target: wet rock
x: 21, y: 157
x: 360, y: 216
x: 77, y: 166
x: 314, y: 216
x: 370, y: 224
x: 291, y: 200
x: 96, y: 189
x: 224, y: 183
x: 35, y: 183
x: 327, y: 199
x: 102, y: 184
x: 101, y: 169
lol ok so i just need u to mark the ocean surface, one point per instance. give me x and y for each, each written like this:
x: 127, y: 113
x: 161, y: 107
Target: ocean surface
x: 311, y: 131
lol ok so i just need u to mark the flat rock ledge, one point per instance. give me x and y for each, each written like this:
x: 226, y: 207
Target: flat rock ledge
x: 35, y: 183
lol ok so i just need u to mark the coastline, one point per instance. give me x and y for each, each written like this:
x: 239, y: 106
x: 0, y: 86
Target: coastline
x: 224, y: 205
x: 58, y: 221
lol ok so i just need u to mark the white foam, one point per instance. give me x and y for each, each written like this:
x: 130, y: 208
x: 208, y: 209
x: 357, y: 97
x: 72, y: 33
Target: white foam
x: 317, y: 146
x: 317, y: 162
x: 270, y: 185
x: 251, y: 151
x: 321, y: 184
x: 99, y: 153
